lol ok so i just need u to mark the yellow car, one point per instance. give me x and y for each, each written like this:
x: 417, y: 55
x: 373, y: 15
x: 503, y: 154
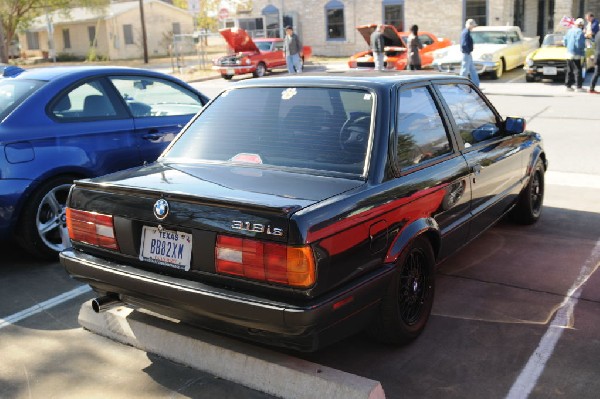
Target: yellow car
x: 550, y: 60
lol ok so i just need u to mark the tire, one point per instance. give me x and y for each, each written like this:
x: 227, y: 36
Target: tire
x: 261, y: 70
x: 529, y: 205
x: 406, y: 305
x: 42, y: 227
x: 227, y: 77
x: 497, y: 74
x: 529, y: 78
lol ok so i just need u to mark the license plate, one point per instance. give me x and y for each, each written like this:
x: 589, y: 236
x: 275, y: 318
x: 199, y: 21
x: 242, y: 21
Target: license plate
x: 550, y: 71
x: 166, y: 247
x: 230, y: 71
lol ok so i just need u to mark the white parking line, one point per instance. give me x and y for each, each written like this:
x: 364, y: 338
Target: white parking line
x: 537, y: 362
x: 40, y: 307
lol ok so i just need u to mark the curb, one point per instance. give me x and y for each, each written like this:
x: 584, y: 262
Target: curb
x: 254, y: 367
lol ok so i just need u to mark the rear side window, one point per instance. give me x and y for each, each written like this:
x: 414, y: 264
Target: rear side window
x: 14, y: 91
x: 322, y: 129
x: 475, y: 120
x: 84, y: 102
x: 421, y: 134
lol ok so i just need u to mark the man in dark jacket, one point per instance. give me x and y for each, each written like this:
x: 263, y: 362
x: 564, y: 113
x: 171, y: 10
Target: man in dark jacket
x: 377, y: 46
x: 596, y: 64
x: 292, y: 48
x: 467, y: 68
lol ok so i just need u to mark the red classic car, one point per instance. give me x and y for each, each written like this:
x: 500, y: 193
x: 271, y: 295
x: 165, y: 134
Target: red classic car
x: 395, y: 48
x: 252, y: 56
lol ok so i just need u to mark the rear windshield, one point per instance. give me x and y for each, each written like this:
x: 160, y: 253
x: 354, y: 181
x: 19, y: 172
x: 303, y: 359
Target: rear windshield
x: 322, y: 129
x: 13, y: 92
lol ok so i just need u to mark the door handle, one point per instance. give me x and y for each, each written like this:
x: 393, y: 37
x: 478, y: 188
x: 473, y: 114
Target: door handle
x: 152, y: 135
x: 476, y: 169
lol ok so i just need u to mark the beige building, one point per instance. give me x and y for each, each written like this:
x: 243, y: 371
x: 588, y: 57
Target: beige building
x: 114, y: 32
x: 329, y: 26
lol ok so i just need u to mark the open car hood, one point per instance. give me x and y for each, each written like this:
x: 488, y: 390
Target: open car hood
x: 390, y: 35
x: 239, y: 40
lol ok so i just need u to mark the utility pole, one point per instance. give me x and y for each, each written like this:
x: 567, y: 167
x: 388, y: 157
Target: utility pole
x: 144, y: 38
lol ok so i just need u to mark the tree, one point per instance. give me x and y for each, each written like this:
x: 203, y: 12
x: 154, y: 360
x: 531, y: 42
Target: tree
x: 16, y: 14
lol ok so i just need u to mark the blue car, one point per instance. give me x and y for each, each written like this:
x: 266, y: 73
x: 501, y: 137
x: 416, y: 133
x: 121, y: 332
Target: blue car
x: 64, y: 123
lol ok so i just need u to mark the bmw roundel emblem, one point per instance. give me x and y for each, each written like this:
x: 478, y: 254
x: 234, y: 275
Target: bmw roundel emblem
x: 161, y: 209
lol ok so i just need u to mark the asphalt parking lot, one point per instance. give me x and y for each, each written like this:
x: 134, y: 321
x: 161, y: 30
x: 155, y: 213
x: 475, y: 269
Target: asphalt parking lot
x: 515, y: 315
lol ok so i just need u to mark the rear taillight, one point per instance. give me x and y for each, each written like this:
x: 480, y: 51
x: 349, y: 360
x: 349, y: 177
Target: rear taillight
x: 275, y: 263
x: 91, y: 228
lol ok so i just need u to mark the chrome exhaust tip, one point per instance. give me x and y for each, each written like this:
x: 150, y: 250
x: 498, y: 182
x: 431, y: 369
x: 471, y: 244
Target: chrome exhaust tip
x: 105, y: 303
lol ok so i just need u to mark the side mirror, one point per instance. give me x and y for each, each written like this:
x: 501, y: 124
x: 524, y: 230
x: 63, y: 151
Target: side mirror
x: 514, y: 125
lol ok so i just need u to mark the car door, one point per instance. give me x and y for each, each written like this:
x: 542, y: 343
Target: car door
x: 426, y: 151
x: 160, y: 109
x: 95, y: 130
x: 494, y: 158
x: 277, y: 56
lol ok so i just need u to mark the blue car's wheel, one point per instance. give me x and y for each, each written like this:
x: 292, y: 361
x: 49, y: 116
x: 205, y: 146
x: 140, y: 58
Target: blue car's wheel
x: 43, y: 228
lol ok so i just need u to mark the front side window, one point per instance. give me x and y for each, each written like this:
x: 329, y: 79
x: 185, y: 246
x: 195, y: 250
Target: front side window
x: 86, y: 101
x: 421, y: 134
x: 477, y: 10
x: 334, y: 11
x: 319, y: 129
x: 151, y: 97
x: 14, y: 91
x: 475, y: 120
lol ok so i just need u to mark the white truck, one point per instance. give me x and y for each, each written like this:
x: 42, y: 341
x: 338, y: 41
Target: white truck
x: 496, y: 49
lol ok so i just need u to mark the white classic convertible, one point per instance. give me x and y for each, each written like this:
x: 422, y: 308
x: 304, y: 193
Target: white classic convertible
x: 496, y: 49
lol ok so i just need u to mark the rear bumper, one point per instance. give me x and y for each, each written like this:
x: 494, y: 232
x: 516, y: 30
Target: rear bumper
x: 306, y: 327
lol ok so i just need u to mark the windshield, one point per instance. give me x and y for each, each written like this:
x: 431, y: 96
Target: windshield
x: 263, y: 46
x: 489, y: 37
x: 13, y: 92
x: 553, y: 41
x: 322, y: 129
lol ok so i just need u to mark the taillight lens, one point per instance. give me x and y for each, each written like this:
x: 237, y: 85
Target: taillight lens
x: 276, y: 263
x: 91, y: 228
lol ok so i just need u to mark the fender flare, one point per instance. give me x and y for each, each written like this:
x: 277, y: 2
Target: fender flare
x: 424, y: 226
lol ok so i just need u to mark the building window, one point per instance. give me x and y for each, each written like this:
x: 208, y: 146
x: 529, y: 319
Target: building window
x: 128, y: 34
x: 519, y: 14
x: 477, y: 10
x: 92, y: 35
x: 176, y: 28
x: 66, y: 38
x: 33, y: 40
x: 393, y: 13
x: 334, y: 10
x: 271, y: 14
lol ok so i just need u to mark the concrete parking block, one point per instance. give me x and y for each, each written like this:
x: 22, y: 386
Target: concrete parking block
x: 254, y: 367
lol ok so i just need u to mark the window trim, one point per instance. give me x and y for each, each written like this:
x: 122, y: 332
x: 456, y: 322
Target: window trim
x: 66, y: 36
x: 387, y: 3
x: 487, y: 11
x: 130, y: 26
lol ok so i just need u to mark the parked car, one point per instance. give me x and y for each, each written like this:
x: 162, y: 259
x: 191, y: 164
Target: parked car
x: 497, y: 49
x: 60, y: 124
x: 395, y: 48
x: 255, y: 56
x: 550, y: 60
x: 320, y: 210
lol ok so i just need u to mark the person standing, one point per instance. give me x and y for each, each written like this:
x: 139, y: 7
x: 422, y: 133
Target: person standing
x: 467, y: 67
x: 592, y: 27
x: 575, y: 44
x: 377, y: 46
x: 292, y: 48
x: 414, y: 45
x: 596, y: 64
